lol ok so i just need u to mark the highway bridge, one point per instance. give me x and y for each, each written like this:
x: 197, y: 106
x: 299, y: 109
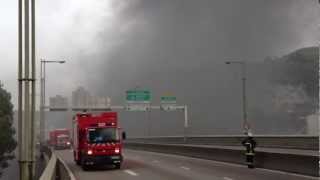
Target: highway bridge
x: 168, y: 161
x: 144, y: 165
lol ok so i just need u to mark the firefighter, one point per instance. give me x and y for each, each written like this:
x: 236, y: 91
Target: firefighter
x: 249, y: 143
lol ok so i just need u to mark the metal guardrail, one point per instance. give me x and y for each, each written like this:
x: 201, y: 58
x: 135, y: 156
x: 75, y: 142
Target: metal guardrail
x: 267, y: 141
x: 56, y: 168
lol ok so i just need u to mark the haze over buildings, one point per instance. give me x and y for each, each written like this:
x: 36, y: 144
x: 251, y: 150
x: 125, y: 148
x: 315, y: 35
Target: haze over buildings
x: 58, y: 101
x: 179, y: 46
x: 82, y: 98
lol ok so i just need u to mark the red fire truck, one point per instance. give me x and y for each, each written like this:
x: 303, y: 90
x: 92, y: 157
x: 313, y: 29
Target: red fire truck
x: 60, y: 139
x: 97, y: 140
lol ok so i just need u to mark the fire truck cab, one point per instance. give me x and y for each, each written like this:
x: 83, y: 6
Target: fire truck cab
x: 60, y: 139
x: 97, y: 140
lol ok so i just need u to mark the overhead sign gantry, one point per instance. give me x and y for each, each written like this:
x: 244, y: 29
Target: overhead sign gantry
x: 136, y: 101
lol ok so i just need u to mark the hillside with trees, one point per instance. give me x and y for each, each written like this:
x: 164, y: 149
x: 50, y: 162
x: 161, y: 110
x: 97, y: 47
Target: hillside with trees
x: 7, y: 132
x: 294, y: 83
x: 300, y: 69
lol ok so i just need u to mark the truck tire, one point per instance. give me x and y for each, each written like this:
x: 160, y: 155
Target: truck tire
x: 84, y: 166
x: 78, y: 162
x: 117, y: 166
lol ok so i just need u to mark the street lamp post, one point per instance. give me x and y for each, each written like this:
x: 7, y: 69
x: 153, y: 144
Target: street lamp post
x: 43, y: 96
x: 246, y: 126
x: 26, y: 87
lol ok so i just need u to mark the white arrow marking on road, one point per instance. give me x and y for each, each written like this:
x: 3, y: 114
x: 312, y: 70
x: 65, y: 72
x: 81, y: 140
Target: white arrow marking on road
x: 185, y: 168
x: 131, y: 173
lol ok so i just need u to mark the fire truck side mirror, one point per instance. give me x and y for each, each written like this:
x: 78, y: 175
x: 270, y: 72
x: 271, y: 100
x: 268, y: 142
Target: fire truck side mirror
x: 124, y: 135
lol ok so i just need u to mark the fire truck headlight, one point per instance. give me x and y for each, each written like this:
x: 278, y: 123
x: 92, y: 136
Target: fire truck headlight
x: 117, y: 150
x: 89, y: 152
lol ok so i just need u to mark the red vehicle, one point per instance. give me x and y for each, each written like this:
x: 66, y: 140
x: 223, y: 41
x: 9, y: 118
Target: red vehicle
x: 97, y: 140
x: 60, y: 139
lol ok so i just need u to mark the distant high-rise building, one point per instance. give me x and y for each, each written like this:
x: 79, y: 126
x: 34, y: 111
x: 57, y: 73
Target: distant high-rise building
x: 103, y: 102
x: 58, y: 101
x: 93, y: 101
x: 80, y: 97
x: 98, y: 101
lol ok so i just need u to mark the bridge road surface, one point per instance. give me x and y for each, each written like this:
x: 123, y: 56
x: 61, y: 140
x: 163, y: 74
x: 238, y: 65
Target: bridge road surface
x: 143, y: 165
x: 12, y: 172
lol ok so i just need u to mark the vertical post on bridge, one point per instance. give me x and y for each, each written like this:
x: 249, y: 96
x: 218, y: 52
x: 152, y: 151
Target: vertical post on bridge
x: 33, y: 86
x: 42, y: 133
x: 70, y: 116
x: 26, y: 137
x: 20, y: 86
x: 26, y: 88
x: 186, y: 123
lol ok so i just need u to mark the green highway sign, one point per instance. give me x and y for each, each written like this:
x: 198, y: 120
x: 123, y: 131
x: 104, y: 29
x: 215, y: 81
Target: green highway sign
x: 138, y: 96
x: 168, y: 100
x: 138, y: 100
x: 168, y: 103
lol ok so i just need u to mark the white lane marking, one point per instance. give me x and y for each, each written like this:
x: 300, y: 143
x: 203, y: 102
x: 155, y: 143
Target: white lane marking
x: 185, y: 168
x: 132, y: 173
x: 155, y: 161
x: 226, y: 164
x: 227, y: 178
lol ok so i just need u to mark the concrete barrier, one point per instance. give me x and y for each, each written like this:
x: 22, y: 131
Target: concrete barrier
x: 304, y: 162
x: 63, y: 171
x: 50, y: 170
x: 268, y: 141
x: 56, y: 168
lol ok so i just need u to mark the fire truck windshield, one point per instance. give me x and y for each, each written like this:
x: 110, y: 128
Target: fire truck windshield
x: 63, y: 138
x: 103, y: 135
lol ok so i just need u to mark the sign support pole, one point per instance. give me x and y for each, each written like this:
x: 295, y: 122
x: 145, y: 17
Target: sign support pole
x: 186, y: 123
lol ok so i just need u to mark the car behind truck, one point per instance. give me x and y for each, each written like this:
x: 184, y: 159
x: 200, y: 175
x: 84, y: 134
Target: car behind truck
x: 97, y: 140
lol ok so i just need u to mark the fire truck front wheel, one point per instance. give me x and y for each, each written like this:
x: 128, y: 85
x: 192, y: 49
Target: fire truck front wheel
x: 117, y: 166
x: 84, y: 166
x: 78, y: 162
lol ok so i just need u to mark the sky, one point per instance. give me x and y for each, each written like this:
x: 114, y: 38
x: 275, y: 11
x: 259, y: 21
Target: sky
x: 63, y: 29
x: 66, y: 29
x: 114, y: 45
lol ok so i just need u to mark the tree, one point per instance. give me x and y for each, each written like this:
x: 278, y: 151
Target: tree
x: 7, y: 141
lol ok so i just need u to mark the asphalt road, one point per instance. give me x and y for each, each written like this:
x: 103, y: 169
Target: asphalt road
x: 12, y: 172
x: 156, y: 166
